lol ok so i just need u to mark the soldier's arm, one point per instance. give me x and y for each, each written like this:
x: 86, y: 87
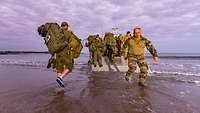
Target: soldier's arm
x: 125, y: 45
x: 151, y: 48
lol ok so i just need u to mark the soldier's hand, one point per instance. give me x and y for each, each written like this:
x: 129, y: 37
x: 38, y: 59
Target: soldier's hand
x: 155, y: 59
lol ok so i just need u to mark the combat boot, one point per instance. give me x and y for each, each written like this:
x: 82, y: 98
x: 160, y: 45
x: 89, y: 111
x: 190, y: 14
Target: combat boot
x: 100, y: 65
x: 128, y: 78
x: 141, y: 82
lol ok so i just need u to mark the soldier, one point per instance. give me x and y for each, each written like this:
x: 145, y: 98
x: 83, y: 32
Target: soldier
x: 91, y: 48
x: 64, y: 60
x: 99, y: 50
x: 123, y: 39
x: 118, y: 46
x: 111, y: 43
x: 136, y: 46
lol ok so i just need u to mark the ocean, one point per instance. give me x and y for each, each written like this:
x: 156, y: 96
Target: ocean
x: 27, y: 86
x: 177, y: 64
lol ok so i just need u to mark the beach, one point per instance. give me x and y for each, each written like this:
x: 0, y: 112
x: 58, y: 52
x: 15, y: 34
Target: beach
x: 28, y: 87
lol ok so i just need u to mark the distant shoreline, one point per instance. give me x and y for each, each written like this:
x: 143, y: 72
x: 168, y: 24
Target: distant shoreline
x: 161, y: 55
x: 20, y: 52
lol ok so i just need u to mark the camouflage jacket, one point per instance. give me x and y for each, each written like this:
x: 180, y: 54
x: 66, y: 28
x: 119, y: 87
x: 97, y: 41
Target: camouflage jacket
x: 98, y: 45
x: 137, y: 47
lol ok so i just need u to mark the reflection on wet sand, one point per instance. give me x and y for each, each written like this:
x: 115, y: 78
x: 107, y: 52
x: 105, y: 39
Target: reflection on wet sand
x: 85, y: 92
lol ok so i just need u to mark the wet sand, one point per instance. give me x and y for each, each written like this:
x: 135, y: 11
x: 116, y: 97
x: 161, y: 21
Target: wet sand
x: 26, y: 89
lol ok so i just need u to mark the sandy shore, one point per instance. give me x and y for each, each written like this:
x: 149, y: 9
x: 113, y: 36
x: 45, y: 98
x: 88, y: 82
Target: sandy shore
x: 26, y: 89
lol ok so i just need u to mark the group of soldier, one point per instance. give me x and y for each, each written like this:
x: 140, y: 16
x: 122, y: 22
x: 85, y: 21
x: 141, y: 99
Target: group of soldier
x: 110, y: 46
x: 131, y: 46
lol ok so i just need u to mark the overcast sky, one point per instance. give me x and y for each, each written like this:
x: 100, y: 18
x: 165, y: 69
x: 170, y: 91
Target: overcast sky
x: 172, y: 25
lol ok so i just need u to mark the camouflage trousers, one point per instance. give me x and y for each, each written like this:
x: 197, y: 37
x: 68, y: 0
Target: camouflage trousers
x: 98, y: 58
x: 139, y: 60
x: 110, y: 52
x: 91, y: 57
x: 64, y: 59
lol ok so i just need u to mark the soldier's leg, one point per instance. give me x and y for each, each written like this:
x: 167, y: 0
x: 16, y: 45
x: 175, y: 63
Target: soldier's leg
x: 114, y: 49
x: 64, y: 73
x: 66, y: 70
x: 132, y: 65
x: 95, y: 58
x: 99, y: 59
x: 126, y: 53
x: 91, y: 57
x: 110, y: 53
x: 58, y: 73
x: 59, y: 65
x: 59, y: 70
x: 142, y: 63
x: 68, y: 62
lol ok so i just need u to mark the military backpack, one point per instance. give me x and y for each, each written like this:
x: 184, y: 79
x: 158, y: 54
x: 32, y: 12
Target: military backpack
x: 54, y: 39
x: 75, y: 45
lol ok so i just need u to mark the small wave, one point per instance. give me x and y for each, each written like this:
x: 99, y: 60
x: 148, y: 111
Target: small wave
x: 23, y: 63
x: 180, y: 65
x: 175, y: 73
x: 182, y: 77
x: 29, y: 63
x: 175, y: 65
x: 197, y: 82
x: 179, y: 57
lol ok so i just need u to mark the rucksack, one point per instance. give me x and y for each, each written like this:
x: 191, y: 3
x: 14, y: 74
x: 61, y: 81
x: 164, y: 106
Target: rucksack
x: 75, y: 45
x: 110, y: 39
x: 54, y: 39
x: 91, y: 39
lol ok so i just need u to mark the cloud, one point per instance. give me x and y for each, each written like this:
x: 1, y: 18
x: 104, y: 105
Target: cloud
x: 161, y: 21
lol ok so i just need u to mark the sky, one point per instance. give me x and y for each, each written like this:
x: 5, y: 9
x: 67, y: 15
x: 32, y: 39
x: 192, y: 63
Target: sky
x: 173, y: 26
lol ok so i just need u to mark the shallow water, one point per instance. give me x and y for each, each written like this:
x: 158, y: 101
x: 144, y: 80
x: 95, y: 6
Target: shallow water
x: 185, y: 65
x: 28, y: 87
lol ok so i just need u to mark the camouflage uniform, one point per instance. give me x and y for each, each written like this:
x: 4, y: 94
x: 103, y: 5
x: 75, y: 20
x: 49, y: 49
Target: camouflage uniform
x: 123, y: 39
x: 65, y: 58
x: 119, y: 43
x: 111, y: 43
x: 136, y: 56
x: 91, y: 48
x: 99, y: 49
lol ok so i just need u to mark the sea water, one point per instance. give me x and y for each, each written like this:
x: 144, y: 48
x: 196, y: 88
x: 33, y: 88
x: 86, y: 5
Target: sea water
x: 177, y: 64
